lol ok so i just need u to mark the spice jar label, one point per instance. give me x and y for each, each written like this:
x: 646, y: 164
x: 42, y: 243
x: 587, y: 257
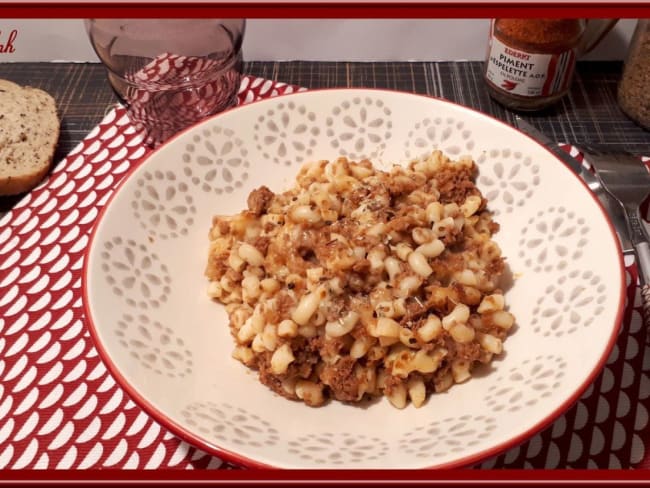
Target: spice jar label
x: 528, y: 74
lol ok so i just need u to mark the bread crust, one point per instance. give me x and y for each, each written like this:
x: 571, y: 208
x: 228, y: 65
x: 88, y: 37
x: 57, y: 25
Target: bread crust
x: 29, y: 133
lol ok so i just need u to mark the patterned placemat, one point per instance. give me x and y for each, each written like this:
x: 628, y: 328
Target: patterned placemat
x: 59, y: 406
x: 61, y: 409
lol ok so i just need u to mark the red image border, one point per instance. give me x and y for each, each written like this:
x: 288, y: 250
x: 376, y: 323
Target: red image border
x: 351, y: 10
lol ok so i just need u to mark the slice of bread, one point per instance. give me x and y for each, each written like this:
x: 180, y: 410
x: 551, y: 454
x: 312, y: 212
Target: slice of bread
x: 29, y: 132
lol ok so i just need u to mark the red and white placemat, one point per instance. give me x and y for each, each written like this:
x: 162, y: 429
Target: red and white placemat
x: 61, y: 409
x: 59, y: 406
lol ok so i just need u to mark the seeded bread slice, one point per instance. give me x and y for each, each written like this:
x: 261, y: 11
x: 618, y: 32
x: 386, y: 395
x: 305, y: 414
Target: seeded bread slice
x: 29, y: 132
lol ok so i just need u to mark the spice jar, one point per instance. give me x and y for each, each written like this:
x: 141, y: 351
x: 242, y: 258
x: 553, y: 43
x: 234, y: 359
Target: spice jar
x: 634, y: 88
x: 530, y: 62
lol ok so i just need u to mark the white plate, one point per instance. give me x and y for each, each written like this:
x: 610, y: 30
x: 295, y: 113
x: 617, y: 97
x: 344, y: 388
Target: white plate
x: 169, y: 346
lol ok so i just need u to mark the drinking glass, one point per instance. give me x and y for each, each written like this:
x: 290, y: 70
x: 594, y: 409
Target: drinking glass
x: 170, y: 73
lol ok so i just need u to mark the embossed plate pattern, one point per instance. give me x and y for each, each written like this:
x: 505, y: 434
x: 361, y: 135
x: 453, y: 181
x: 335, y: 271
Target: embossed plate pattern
x: 170, y: 347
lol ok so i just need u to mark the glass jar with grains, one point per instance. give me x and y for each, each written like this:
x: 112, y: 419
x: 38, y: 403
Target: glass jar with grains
x: 530, y: 62
x: 634, y: 88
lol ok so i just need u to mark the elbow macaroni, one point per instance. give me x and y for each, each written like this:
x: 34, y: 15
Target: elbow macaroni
x: 359, y: 282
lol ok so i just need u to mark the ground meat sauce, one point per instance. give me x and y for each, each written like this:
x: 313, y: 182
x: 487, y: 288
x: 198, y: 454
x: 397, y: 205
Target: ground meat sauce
x: 340, y: 252
x: 341, y: 379
x: 268, y: 378
x: 259, y: 200
x: 456, y: 186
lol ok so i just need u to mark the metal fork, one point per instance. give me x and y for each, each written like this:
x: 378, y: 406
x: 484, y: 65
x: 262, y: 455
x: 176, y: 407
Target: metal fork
x: 626, y: 178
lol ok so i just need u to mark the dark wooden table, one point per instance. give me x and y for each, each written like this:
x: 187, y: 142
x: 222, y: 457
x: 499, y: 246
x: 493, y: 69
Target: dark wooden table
x: 589, y: 113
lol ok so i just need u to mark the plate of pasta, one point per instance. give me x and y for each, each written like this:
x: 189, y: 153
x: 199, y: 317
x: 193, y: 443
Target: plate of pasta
x: 353, y: 279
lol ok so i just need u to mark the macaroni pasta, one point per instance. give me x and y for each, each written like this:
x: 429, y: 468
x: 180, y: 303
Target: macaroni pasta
x: 360, y: 283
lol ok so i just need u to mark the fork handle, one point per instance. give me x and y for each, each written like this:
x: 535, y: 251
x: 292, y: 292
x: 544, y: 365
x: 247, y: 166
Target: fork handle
x: 643, y: 257
x: 645, y: 304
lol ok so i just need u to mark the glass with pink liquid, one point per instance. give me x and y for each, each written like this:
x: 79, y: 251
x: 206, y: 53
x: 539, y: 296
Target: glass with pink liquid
x: 170, y: 73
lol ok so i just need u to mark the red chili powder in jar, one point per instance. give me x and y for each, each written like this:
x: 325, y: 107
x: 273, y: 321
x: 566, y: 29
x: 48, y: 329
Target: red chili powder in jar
x: 530, y: 62
x: 540, y: 35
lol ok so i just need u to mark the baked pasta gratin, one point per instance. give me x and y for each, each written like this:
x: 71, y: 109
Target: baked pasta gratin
x: 360, y: 283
